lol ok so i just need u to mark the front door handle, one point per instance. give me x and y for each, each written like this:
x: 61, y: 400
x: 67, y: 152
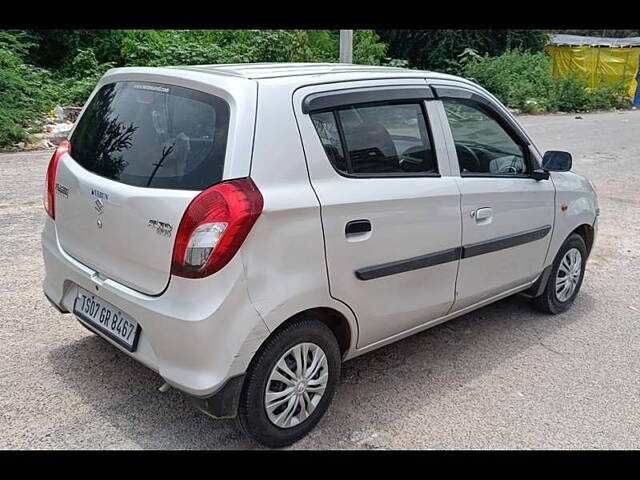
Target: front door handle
x: 355, y: 227
x: 483, y: 215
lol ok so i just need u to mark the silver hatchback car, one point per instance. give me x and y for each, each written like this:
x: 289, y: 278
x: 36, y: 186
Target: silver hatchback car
x: 243, y: 229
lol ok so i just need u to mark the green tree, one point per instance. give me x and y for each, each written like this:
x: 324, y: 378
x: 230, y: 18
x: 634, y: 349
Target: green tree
x: 439, y: 49
x: 56, y: 49
x: 184, y: 47
x: 25, y: 90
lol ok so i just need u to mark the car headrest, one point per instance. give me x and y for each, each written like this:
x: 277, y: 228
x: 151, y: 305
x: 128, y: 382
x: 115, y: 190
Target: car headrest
x: 371, y: 148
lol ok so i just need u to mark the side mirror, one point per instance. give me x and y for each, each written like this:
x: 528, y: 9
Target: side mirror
x: 556, y: 161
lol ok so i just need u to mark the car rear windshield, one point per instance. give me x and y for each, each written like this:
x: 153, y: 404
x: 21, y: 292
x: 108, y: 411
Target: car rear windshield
x: 153, y: 135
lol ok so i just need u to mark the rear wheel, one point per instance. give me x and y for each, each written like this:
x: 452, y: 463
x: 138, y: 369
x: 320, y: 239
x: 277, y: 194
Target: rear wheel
x: 290, y: 383
x: 566, y: 277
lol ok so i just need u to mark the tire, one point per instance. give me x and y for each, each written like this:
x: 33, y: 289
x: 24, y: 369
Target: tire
x: 551, y: 300
x: 256, y: 418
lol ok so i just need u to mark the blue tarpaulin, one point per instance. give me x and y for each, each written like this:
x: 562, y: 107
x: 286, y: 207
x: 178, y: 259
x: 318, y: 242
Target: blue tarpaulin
x: 636, y: 100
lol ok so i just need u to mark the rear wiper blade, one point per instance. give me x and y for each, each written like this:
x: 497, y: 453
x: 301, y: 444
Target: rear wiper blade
x: 165, y: 153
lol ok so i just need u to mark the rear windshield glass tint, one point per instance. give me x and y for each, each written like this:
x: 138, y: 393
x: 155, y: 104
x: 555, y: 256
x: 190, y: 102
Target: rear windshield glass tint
x: 153, y: 135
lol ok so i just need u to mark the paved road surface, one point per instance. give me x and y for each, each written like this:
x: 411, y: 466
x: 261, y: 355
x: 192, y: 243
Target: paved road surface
x: 501, y: 377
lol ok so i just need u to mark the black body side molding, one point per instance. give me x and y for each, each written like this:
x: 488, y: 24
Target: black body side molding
x: 507, y: 241
x: 453, y: 254
x: 400, y: 266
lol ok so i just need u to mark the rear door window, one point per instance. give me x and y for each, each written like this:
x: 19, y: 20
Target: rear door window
x: 153, y: 135
x: 377, y: 139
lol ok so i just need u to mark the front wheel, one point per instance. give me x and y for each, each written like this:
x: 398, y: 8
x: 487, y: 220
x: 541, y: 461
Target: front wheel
x: 566, y: 277
x: 290, y: 383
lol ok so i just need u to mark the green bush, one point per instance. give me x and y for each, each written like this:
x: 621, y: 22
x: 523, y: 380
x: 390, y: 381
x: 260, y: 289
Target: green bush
x: 75, y: 90
x: 613, y: 95
x: 567, y: 93
x: 25, y: 90
x: 440, y: 49
x: 192, y: 47
x: 514, y: 77
x: 523, y: 80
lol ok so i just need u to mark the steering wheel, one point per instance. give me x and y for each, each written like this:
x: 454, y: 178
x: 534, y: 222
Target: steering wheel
x: 412, y: 155
x: 471, y: 154
x: 415, y: 159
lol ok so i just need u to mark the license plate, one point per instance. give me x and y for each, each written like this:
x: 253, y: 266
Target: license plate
x: 108, y: 319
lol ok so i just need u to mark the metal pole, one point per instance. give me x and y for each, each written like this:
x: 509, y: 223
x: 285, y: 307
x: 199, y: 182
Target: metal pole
x: 346, y: 46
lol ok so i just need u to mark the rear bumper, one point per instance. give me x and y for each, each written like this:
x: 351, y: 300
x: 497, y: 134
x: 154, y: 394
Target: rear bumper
x: 55, y: 305
x: 196, y: 335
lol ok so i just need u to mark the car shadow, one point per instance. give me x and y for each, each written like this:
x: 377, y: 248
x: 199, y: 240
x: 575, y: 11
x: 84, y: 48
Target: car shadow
x: 124, y: 394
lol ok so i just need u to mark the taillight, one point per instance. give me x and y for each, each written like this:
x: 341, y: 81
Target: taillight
x: 214, y: 226
x: 50, y: 181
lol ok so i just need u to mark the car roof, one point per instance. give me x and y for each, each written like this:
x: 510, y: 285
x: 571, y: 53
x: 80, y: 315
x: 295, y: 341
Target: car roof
x: 264, y: 71
x: 295, y: 75
x: 257, y: 71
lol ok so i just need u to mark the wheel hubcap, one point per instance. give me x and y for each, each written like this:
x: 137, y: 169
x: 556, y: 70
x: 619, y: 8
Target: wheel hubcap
x: 568, y: 275
x: 296, y: 385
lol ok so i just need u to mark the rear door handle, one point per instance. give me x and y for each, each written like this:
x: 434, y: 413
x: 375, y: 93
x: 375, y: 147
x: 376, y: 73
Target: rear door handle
x: 355, y: 227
